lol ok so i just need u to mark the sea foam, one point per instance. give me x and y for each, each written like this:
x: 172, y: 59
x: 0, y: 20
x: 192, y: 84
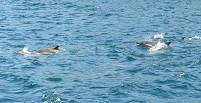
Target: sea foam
x: 159, y: 36
x: 158, y: 46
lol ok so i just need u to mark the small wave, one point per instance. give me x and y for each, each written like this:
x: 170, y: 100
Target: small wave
x: 51, y: 97
x: 158, y: 46
x: 195, y: 38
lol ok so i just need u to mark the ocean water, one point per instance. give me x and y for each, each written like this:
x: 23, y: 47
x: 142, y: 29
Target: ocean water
x: 99, y: 60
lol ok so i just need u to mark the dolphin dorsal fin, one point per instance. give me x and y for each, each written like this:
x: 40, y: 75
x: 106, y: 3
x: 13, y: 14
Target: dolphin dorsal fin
x: 57, y: 47
x: 167, y: 43
x: 183, y: 38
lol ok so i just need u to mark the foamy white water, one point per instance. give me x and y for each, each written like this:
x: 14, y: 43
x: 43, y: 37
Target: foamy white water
x: 159, y: 36
x: 158, y: 46
x: 26, y: 52
x: 195, y: 38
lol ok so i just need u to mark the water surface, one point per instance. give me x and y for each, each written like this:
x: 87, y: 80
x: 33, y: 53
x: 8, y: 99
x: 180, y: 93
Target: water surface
x: 99, y: 62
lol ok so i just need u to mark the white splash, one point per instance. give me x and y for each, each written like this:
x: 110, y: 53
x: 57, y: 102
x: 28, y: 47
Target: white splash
x: 195, y: 38
x: 159, y: 36
x: 26, y: 52
x: 158, y: 46
x: 182, y: 74
x: 58, y: 100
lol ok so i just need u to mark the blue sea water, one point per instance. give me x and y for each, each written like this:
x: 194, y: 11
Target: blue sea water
x: 100, y: 62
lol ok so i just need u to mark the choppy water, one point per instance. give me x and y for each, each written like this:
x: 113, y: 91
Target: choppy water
x: 100, y: 62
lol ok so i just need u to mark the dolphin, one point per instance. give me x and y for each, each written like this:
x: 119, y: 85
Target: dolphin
x: 49, y: 51
x: 54, y: 50
x: 150, y: 44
